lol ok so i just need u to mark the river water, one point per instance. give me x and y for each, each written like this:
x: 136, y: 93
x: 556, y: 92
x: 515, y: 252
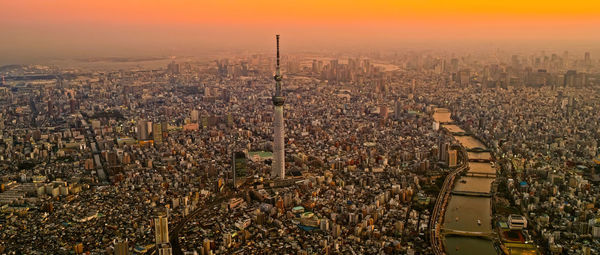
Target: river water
x: 481, y: 167
x: 453, y: 128
x: 470, y: 142
x: 456, y: 245
x: 479, y: 155
x: 473, y: 184
x: 442, y: 115
x: 463, y: 212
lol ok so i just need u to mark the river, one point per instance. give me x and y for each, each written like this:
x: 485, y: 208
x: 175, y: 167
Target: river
x: 470, y: 213
x: 481, y: 167
x: 442, y: 115
x: 470, y: 142
x: 456, y: 245
x: 479, y: 155
x: 473, y: 184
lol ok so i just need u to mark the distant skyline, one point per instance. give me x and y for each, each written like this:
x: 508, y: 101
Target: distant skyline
x: 34, y: 30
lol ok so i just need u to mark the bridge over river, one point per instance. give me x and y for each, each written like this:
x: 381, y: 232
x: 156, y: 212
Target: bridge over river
x: 485, y: 235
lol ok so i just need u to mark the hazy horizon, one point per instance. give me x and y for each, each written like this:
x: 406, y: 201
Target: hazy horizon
x: 36, y: 31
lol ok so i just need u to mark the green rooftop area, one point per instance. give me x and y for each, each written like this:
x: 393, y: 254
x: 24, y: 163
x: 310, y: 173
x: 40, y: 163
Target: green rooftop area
x: 262, y: 154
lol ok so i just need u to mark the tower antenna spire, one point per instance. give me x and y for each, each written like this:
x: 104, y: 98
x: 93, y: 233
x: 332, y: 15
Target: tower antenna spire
x: 277, y: 36
x: 278, y: 77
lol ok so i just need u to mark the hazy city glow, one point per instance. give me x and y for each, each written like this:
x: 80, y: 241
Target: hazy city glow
x: 188, y: 27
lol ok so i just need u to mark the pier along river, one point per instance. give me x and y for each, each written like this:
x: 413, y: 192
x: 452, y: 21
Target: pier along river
x: 467, y: 221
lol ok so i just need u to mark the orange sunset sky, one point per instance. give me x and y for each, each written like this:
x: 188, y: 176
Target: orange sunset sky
x: 65, y: 28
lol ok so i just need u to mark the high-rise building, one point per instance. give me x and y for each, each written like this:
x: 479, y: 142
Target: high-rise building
x: 164, y: 126
x: 161, y: 229
x: 587, y: 60
x: 444, y: 147
x: 195, y: 115
x: 149, y: 128
x: 121, y: 247
x: 206, y: 247
x: 315, y: 68
x: 278, y: 142
x: 452, y: 158
x: 570, y: 78
x: 142, y: 130
x: 165, y: 249
x: 397, y: 109
x: 157, y: 133
x: 78, y: 248
x: 227, y: 240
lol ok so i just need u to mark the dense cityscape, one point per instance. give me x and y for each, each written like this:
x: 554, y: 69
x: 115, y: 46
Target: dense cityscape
x: 179, y: 159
